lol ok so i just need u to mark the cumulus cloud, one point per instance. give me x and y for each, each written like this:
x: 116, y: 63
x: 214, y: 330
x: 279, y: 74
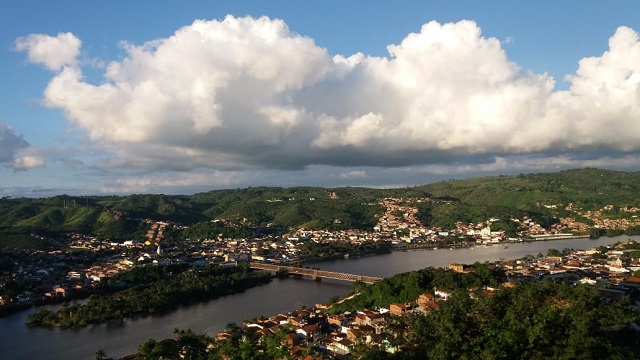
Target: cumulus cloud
x: 354, y: 174
x: 603, y: 103
x: 10, y: 143
x: 54, y: 52
x: 28, y: 162
x: 247, y: 93
x: 14, y: 150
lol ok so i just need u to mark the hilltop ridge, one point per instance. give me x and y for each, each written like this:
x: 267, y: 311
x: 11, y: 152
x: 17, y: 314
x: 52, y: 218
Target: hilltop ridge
x: 543, y: 197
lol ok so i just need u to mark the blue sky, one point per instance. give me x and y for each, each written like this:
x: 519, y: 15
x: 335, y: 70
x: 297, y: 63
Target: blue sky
x: 132, y: 97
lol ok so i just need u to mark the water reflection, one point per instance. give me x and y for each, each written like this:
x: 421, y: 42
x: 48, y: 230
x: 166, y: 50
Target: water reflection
x: 18, y: 341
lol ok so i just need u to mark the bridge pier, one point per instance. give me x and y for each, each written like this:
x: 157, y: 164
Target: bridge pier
x: 315, y: 276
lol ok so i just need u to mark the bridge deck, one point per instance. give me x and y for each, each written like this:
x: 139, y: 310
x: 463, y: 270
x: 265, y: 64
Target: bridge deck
x: 316, y: 273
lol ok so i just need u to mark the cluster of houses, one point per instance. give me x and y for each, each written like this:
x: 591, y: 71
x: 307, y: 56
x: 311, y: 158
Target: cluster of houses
x: 602, y: 218
x: 51, y: 276
x: 339, y: 334
x: 607, y: 267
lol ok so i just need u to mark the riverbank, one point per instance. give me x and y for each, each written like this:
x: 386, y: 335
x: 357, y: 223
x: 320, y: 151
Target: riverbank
x: 158, y: 297
x: 472, y: 244
x: 21, y: 342
x: 342, y: 300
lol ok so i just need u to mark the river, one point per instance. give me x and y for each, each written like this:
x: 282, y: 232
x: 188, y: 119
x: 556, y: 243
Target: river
x: 18, y: 341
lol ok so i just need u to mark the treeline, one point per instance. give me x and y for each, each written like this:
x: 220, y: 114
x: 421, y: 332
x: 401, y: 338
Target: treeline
x: 312, y: 249
x: 597, y: 232
x: 240, y: 344
x: 471, y: 200
x: 445, y: 215
x: 153, y: 293
x: 209, y: 230
x: 406, y: 287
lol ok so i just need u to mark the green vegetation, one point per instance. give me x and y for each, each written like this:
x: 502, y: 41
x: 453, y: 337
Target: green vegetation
x: 590, y: 189
x: 20, y: 238
x: 539, y: 320
x: 240, y: 344
x: 542, y: 320
x: 469, y: 201
x: 407, y: 287
x: 316, y: 250
x: 153, y: 290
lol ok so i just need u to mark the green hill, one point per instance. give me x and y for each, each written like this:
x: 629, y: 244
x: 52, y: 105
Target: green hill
x: 587, y: 188
x: 471, y: 200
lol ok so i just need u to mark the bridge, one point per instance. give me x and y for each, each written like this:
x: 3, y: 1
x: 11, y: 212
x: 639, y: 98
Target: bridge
x: 315, y: 273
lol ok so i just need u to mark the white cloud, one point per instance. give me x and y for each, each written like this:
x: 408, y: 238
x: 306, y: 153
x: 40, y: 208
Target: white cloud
x: 602, y: 106
x: 54, y: 52
x: 28, y: 162
x: 354, y: 174
x: 242, y: 93
x: 147, y: 183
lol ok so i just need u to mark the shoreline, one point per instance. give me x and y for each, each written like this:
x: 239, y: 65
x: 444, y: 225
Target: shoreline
x: 436, y: 246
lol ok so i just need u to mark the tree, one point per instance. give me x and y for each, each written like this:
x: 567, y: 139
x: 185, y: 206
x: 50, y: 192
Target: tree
x: 554, y: 252
x: 100, y: 354
x: 596, y: 233
x: 146, y: 348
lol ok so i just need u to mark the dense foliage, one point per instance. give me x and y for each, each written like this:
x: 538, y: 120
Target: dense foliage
x: 542, y: 320
x: 240, y: 344
x: 315, y: 250
x: 538, y: 320
x: 472, y: 200
x: 153, y: 292
x: 408, y: 286
x: 590, y: 189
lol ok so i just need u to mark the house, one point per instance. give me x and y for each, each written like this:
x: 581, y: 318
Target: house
x: 444, y: 294
x: 360, y: 319
x: 425, y: 298
x: 390, y: 346
x: 427, y: 303
x: 335, y: 319
x: 296, y: 321
x: 291, y: 340
x: 354, y: 334
x: 60, y: 291
x: 309, y: 332
x: 398, y: 309
x: 459, y: 268
x: 342, y: 347
x: 367, y: 330
x: 373, y: 318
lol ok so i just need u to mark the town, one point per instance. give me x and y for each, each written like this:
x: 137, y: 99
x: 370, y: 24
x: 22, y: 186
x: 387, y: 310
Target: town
x: 88, y: 262
x: 44, y: 277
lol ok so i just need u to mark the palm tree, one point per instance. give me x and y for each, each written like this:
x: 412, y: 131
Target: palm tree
x: 101, y: 355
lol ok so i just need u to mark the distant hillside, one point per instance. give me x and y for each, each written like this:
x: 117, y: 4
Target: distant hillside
x: 588, y: 188
x: 527, y: 194
x: 469, y: 200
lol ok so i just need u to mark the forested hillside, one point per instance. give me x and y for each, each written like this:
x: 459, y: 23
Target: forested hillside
x: 472, y: 200
x: 587, y: 188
